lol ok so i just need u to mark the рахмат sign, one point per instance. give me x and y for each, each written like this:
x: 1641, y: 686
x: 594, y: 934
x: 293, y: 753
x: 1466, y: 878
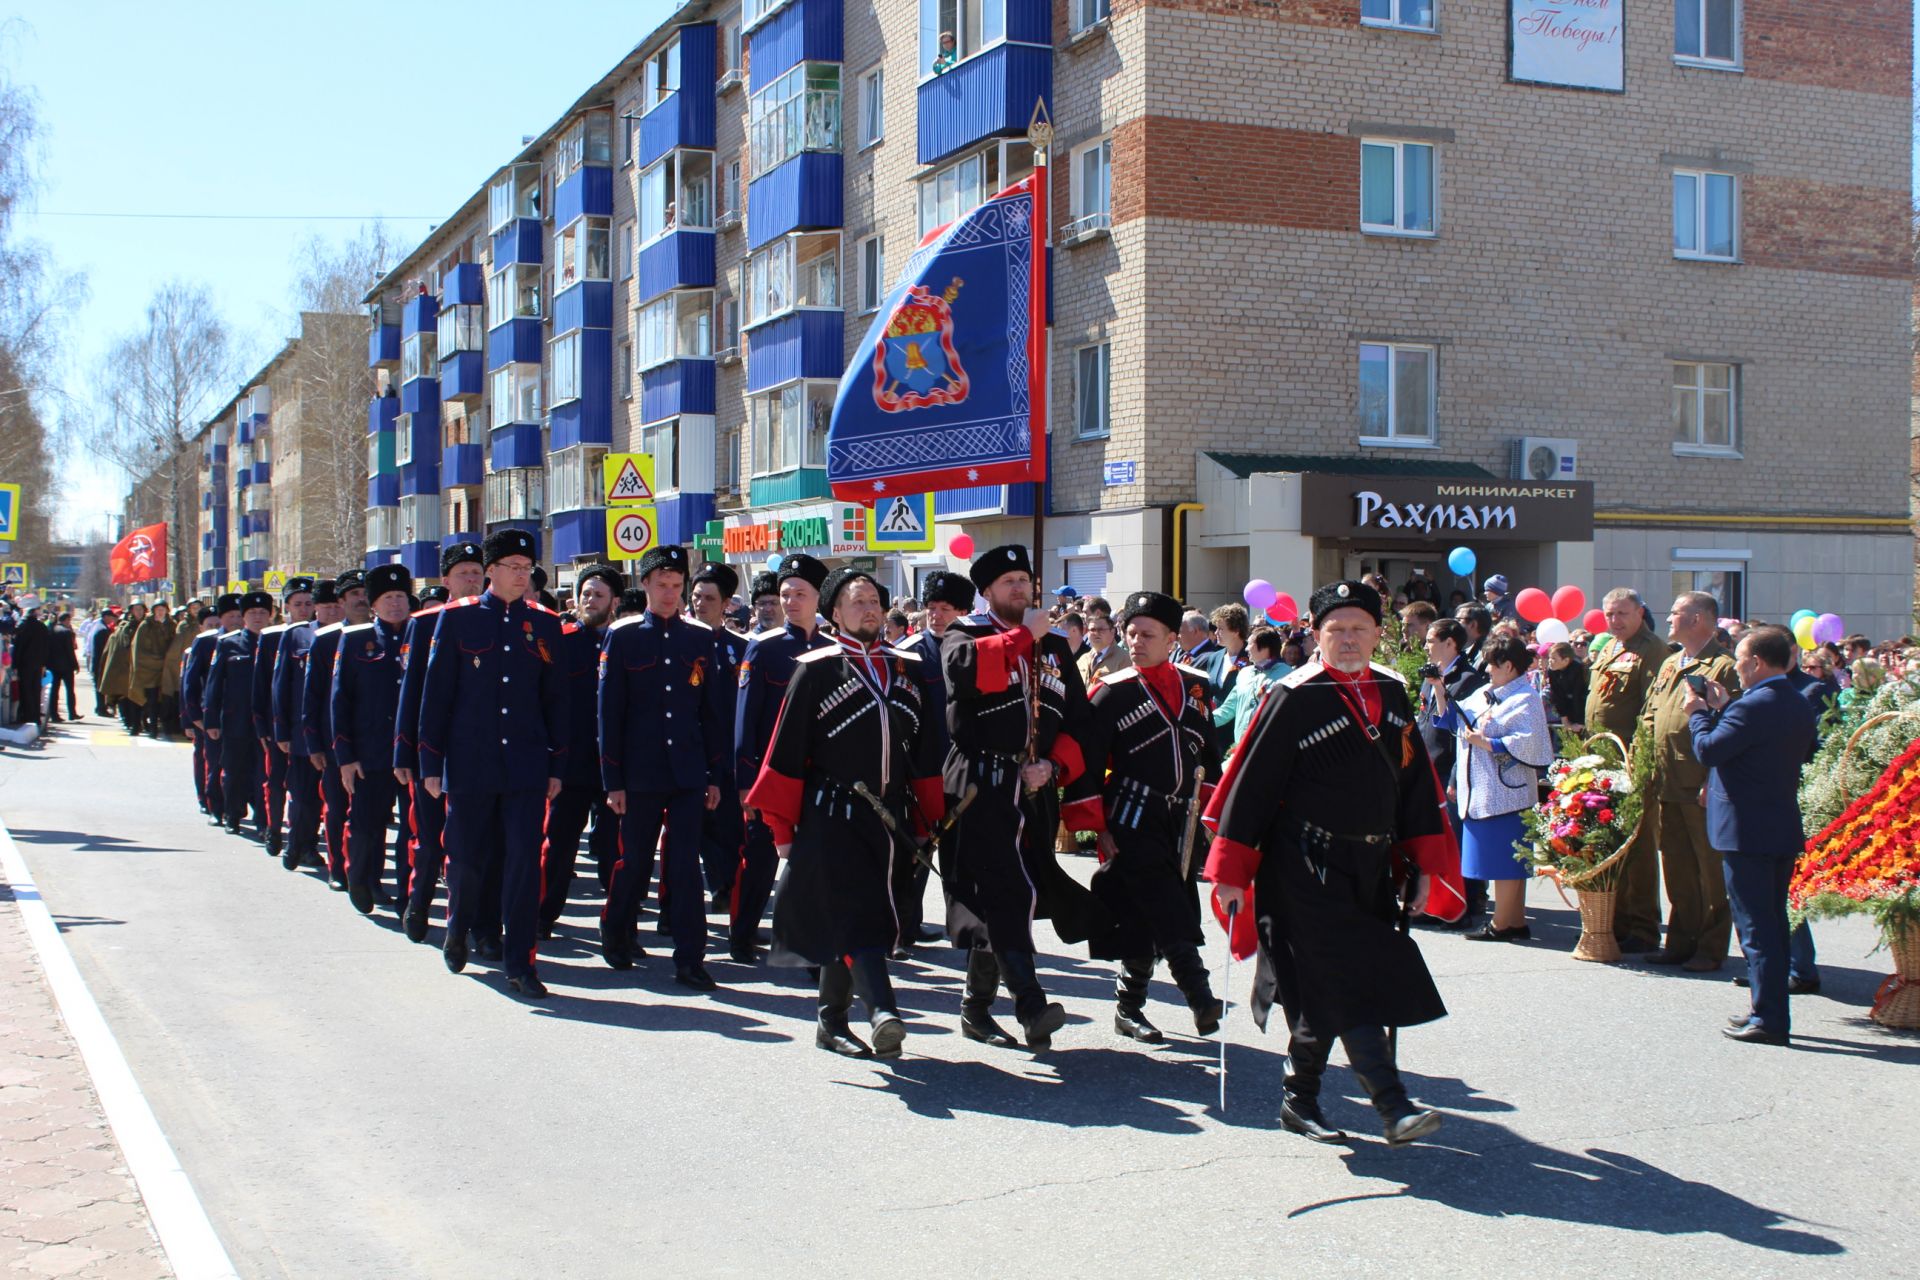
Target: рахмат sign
x: 1433, y: 508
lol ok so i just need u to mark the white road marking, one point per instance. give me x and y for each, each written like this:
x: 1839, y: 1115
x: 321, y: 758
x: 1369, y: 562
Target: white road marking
x: 193, y: 1248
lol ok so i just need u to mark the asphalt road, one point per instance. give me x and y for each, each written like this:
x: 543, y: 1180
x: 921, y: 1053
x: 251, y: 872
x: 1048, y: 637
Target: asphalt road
x: 347, y: 1108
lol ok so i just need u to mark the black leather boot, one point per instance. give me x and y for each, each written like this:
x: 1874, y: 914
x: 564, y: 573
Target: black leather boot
x: 983, y: 984
x: 1300, y: 1109
x: 1039, y: 1017
x: 875, y: 988
x: 1371, y: 1057
x: 1130, y: 1001
x: 1190, y: 972
x: 836, y: 997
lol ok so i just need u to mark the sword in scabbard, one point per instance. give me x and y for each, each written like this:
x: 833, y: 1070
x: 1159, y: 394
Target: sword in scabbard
x: 921, y: 850
x: 1193, y: 823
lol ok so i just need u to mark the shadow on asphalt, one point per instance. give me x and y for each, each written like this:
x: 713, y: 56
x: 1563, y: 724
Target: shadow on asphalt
x: 89, y: 842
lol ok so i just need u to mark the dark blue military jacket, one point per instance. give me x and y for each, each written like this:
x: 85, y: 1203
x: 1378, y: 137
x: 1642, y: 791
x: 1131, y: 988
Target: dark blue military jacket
x: 264, y: 660
x: 580, y: 660
x: 290, y: 683
x: 316, y: 695
x: 661, y: 712
x: 765, y: 672
x: 493, y: 714
x: 933, y: 682
x: 229, y: 696
x: 414, y: 644
x: 193, y: 675
x: 366, y: 693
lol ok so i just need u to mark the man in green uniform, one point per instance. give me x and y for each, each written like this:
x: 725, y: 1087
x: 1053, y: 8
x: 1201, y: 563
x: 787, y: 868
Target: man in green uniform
x: 1616, y: 696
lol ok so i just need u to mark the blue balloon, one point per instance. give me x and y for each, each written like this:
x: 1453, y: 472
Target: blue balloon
x: 773, y: 562
x: 1462, y: 560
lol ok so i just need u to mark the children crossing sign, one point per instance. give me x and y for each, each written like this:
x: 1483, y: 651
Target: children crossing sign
x: 902, y: 523
x: 629, y: 477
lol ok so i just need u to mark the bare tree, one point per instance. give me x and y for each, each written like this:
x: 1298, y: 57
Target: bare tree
x: 160, y: 384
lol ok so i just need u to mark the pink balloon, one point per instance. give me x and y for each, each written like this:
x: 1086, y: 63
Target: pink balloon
x: 1533, y: 604
x: 1259, y: 593
x: 1284, y: 608
x: 961, y: 545
x: 1595, y: 621
x: 1568, y: 602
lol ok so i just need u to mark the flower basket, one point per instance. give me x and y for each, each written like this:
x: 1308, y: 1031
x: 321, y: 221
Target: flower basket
x: 1578, y: 836
x: 1897, y: 1003
x: 1597, y: 942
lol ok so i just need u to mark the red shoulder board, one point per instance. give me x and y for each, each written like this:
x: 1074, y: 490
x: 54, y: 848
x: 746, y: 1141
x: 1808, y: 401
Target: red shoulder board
x: 461, y: 604
x: 569, y: 628
x: 435, y: 607
x: 536, y: 606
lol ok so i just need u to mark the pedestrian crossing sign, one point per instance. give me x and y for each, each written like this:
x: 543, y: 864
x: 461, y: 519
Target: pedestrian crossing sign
x: 9, y: 512
x: 631, y: 531
x: 13, y: 574
x: 901, y: 523
x: 275, y: 581
x: 629, y: 477
x: 238, y: 587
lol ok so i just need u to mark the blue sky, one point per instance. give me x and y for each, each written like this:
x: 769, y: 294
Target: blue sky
x: 322, y: 115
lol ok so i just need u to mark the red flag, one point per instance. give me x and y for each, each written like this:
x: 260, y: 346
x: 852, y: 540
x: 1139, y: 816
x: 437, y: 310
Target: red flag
x: 141, y: 556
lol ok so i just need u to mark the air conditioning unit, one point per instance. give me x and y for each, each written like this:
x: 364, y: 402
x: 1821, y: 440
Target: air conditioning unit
x: 727, y: 80
x: 727, y: 221
x: 1540, y: 458
x: 727, y: 355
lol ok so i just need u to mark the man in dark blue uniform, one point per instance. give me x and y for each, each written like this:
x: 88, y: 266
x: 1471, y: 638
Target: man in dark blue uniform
x: 289, y: 735
x: 493, y: 741
x: 366, y: 694
x: 720, y: 842
x: 948, y: 597
x: 464, y: 576
x: 595, y: 592
x: 662, y: 749
x: 316, y: 718
x: 296, y: 600
x: 225, y: 616
x: 229, y: 713
x: 765, y: 672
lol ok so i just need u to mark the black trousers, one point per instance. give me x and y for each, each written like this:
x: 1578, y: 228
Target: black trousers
x: 567, y: 816
x: 368, y: 813
x: 273, y: 784
x: 133, y: 715
x: 27, y: 703
x: 683, y: 904
x: 333, y: 819
x: 426, y: 854
x: 496, y: 833
x: 303, y: 803
x: 753, y: 885
x: 62, y: 679
x: 1368, y: 1052
x: 240, y: 779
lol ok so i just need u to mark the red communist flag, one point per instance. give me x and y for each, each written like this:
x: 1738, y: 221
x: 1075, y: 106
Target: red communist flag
x: 141, y: 556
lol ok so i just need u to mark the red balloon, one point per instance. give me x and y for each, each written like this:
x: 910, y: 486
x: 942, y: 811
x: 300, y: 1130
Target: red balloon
x: 1595, y: 621
x: 1284, y: 609
x: 1533, y: 604
x: 961, y: 546
x: 1568, y: 602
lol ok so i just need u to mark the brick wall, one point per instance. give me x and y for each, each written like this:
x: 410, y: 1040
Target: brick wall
x: 1864, y: 46
x: 1206, y: 171
x: 1318, y: 13
x: 1799, y: 225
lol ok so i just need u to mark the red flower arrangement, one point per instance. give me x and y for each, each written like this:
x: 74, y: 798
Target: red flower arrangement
x: 1868, y: 859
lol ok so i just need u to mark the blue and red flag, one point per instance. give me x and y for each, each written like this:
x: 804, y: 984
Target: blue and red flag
x: 948, y: 389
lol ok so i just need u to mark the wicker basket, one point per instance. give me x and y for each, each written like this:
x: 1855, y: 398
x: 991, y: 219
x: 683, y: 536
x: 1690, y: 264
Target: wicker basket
x: 1897, y: 1003
x: 1597, y: 942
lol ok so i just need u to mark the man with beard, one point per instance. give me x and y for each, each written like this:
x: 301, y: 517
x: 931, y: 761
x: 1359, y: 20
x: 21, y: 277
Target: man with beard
x: 289, y: 723
x: 223, y: 617
x: 1330, y: 797
x: 366, y: 694
x: 296, y: 600
x: 725, y: 830
x: 1147, y: 735
x: 765, y: 671
x: 581, y: 794
x: 854, y: 715
x: 493, y: 670
x: 1013, y: 696
x: 316, y: 717
x: 229, y: 713
x: 463, y: 576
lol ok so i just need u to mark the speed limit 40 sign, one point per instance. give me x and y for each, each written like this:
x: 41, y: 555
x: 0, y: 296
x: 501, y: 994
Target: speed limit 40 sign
x: 631, y: 531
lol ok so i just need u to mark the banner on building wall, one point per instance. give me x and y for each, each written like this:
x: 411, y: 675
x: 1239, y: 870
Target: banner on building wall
x: 1572, y: 44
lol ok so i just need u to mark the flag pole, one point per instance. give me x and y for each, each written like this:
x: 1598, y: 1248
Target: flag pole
x: 1040, y: 134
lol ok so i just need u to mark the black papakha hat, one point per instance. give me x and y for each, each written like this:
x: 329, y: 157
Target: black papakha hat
x: 667, y: 556
x: 803, y: 567
x: 765, y: 583
x: 999, y: 562
x: 508, y: 542
x: 1164, y: 610
x: 295, y: 586
x: 1343, y: 595
x: 948, y: 588
x: 616, y: 581
x: 722, y: 576
x: 383, y: 578
x: 459, y: 553
x: 257, y: 600
x: 839, y: 580
x: 228, y: 602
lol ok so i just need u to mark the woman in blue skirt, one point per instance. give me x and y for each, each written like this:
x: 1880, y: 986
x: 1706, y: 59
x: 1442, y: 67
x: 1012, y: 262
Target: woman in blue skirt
x: 1505, y: 742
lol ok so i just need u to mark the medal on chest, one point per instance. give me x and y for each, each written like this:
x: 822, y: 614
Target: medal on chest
x: 698, y: 676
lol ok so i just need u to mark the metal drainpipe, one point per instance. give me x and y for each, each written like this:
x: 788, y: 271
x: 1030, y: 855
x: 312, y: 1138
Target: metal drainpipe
x: 1180, y: 510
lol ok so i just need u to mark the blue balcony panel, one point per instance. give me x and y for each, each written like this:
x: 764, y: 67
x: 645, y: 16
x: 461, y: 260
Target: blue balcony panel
x: 377, y: 556
x: 517, y: 243
x: 383, y: 490
x: 417, y: 478
x: 383, y: 345
x: 425, y: 427
x: 801, y: 194
x: 989, y: 95
x: 985, y: 501
x: 422, y: 559
x: 220, y: 454
x: 516, y: 446
x: 587, y: 305
x: 263, y: 472
x: 587, y: 192
x: 683, y: 516
x: 804, y: 31
x: 588, y: 419
x: 685, y: 118
x: 807, y: 485
x: 262, y: 522
x: 420, y: 315
x: 680, y: 260
x: 515, y: 342
x: 580, y: 533
x: 244, y: 431
x: 803, y: 344
x: 421, y: 396
x: 206, y: 501
x: 463, y: 464
x: 463, y: 376
x: 674, y: 388
x: 381, y: 411
x: 463, y: 284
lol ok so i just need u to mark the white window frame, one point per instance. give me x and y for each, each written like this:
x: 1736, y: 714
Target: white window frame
x: 1396, y: 19
x: 418, y: 356
x: 517, y: 493
x: 1398, y: 226
x: 1700, y: 178
x: 672, y: 172
x: 514, y: 195
x: 402, y: 441
x: 730, y: 190
x: 461, y: 326
x: 1092, y: 209
x: 971, y: 180
x: 1393, y: 437
x: 660, y: 76
x: 971, y: 39
x: 573, y: 251
x: 563, y: 365
x: 732, y: 46
x: 1731, y: 572
x: 772, y: 278
x: 626, y: 370
x: 873, y: 105
x: 660, y: 332
x: 508, y: 296
x: 1704, y: 59
x: 813, y: 398
x: 1085, y: 15
x: 727, y: 324
x: 1700, y: 393
x: 1102, y: 365
x: 515, y: 393
x: 629, y: 248
x: 661, y: 441
x: 796, y: 113
x: 574, y: 476
x: 870, y: 254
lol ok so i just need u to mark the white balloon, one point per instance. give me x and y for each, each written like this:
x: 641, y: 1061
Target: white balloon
x: 1552, y: 631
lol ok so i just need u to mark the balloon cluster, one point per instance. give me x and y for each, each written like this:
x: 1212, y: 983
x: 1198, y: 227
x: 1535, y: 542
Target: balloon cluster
x: 1811, y: 630
x: 1263, y: 597
x: 1552, y: 615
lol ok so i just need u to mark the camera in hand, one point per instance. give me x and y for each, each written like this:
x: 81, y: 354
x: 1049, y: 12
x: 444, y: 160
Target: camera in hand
x: 1428, y: 671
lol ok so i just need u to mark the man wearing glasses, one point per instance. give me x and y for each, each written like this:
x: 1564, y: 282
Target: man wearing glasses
x: 1105, y: 654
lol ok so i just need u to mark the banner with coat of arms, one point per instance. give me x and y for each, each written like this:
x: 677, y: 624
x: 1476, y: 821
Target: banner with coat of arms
x: 944, y: 391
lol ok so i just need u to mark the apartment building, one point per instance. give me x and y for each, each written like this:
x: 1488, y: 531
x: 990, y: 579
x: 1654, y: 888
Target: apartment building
x: 1334, y: 284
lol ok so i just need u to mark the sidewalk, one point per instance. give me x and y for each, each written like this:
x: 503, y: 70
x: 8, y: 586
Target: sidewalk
x: 68, y: 1206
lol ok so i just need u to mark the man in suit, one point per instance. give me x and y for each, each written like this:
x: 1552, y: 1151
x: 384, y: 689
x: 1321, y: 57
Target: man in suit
x: 1803, y: 970
x: 1753, y: 749
x: 1105, y: 654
